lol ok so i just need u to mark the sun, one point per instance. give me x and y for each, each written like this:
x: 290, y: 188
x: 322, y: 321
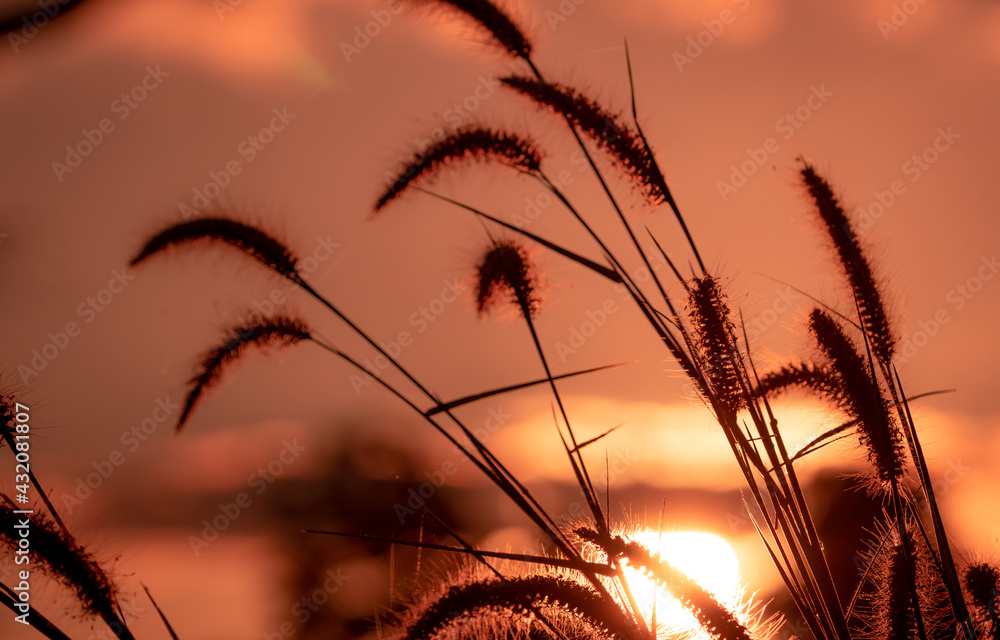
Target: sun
x: 704, y: 557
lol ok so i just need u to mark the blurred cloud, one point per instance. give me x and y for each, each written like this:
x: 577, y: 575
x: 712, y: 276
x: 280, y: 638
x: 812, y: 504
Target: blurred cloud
x: 232, y: 458
x: 744, y: 22
x: 988, y: 35
x: 247, y: 39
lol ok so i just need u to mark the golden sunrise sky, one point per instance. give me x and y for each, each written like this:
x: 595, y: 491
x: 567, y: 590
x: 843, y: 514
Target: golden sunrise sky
x: 121, y: 117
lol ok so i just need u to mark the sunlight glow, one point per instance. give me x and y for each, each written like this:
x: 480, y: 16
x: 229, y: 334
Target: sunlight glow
x: 704, y: 557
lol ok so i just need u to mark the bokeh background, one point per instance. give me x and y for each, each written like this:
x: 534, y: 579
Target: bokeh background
x: 291, y: 113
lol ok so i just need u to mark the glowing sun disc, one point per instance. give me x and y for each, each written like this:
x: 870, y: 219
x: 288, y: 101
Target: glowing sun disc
x: 705, y: 558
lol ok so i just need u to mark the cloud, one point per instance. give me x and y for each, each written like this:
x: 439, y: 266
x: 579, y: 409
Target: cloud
x: 738, y: 22
x: 246, y: 39
x: 233, y: 458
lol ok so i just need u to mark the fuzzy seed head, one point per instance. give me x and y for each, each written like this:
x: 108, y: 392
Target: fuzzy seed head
x: 886, y: 607
x: 715, y: 335
x: 517, y: 597
x: 899, y: 614
x: 854, y: 263
x: 475, y: 143
x: 815, y: 378
x: 506, y: 273
x: 861, y: 398
x: 277, y: 331
x: 249, y: 239
x: 983, y: 584
x: 60, y: 556
x: 715, y: 619
x: 6, y: 418
x: 491, y: 19
x: 604, y: 128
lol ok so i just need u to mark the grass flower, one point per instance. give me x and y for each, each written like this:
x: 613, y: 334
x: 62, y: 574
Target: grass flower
x: 603, y: 128
x: 716, y: 336
x: 222, y: 230
x: 277, y: 331
x: 505, y: 273
x: 854, y: 263
x: 982, y: 582
x: 859, y: 396
x: 491, y: 19
x: 467, y: 144
x: 62, y: 558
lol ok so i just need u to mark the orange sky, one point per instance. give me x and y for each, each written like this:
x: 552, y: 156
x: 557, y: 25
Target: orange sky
x: 171, y: 94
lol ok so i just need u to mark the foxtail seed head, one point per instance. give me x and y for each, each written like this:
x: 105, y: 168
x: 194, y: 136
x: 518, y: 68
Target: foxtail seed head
x: 603, y: 127
x: 216, y: 229
x: 714, y: 332
x: 854, y: 263
x: 505, y: 272
x: 474, y: 143
x: 861, y: 398
x: 281, y: 330
x: 491, y: 19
